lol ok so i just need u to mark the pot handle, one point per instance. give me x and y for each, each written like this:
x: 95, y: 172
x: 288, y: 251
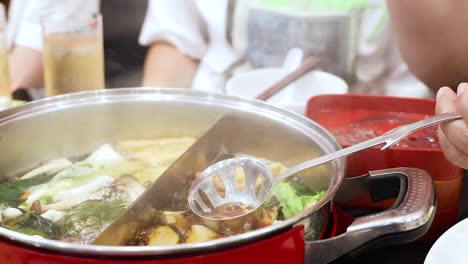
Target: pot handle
x: 408, y: 219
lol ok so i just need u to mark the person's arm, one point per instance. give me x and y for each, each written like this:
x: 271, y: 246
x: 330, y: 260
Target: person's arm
x: 432, y: 38
x: 175, y: 34
x: 26, y: 68
x: 166, y: 66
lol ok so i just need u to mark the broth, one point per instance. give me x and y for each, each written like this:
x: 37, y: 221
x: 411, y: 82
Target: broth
x: 74, y: 200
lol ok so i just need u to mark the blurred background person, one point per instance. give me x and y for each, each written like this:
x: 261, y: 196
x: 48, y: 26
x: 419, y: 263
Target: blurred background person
x: 25, y: 38
x: 200, y: 44
x: 433, y: 40
x: 123, y: 55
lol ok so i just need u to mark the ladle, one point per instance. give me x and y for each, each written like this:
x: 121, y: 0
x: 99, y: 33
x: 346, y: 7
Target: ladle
x: 232, y: 202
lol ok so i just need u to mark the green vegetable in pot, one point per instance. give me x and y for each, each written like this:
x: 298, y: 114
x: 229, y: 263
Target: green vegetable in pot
x: 299, y: 187
x: 89, y: 218
x: 81, y: 177
x: 309, y: 199
x: 31, y: 224
x: 11, y: 192
x: 290, y: 201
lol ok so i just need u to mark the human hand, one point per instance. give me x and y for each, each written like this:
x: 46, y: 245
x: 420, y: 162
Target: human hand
x: 26, y: 68
x: 453, y: 136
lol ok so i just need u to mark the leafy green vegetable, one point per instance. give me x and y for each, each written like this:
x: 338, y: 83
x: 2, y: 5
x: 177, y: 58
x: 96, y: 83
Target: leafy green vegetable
x: 306, y: 199
x: 90, y: 217
x: 11, y: 191
x: 31, y: 224
x: 291, y: 202
x: 78, y: 175
x: 299, y: 187
x: 287, y: 197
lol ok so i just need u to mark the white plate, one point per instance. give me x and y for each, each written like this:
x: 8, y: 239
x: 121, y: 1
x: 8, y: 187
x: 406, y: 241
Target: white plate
x: 451, y: 247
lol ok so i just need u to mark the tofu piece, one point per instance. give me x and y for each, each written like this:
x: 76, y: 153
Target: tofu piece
x: 163, y: 235
x: 200, y: 233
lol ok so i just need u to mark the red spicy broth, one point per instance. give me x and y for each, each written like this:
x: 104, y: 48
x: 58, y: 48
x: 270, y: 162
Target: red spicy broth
x: 351, y: 127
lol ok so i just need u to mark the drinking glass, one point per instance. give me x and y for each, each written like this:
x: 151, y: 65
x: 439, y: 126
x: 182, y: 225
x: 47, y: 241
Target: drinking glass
x: 73, y: 53
x: 5, y: 93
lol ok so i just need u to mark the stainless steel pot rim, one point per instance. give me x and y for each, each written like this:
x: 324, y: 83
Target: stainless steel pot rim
x: 182, y: 95
x: 140, y: 94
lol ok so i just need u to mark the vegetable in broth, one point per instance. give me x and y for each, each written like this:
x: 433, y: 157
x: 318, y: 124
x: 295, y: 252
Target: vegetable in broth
x: 76, y: 201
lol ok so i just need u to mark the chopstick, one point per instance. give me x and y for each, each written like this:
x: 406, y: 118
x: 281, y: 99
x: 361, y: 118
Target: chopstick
x: 307, y: 64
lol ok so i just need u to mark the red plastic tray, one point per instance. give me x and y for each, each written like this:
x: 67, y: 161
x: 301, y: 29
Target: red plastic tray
x: 353, y: 118
x: 367, y: 116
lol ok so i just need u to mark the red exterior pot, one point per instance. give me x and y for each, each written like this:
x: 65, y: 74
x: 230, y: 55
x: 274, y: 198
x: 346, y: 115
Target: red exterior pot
x: 111, y: 115
x: 287, y: 247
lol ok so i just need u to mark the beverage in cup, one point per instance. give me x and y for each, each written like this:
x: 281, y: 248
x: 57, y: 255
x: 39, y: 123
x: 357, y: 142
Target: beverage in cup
x: 5, y: 93
x: 73, y: 53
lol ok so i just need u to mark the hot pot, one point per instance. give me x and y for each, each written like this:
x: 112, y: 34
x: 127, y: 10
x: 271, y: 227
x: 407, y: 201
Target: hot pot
x: 75, y: 124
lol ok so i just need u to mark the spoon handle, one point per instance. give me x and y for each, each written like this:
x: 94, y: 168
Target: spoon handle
x: 389, y: 139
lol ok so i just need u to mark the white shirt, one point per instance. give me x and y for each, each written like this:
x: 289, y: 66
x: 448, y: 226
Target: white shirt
x: 198, y: 29
x: 24, y: 25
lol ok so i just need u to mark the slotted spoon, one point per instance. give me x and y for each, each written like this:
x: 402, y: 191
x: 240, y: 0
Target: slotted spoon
x: 206, y: 200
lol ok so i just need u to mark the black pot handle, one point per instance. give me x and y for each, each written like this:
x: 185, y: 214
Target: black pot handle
x: 406, y: 221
